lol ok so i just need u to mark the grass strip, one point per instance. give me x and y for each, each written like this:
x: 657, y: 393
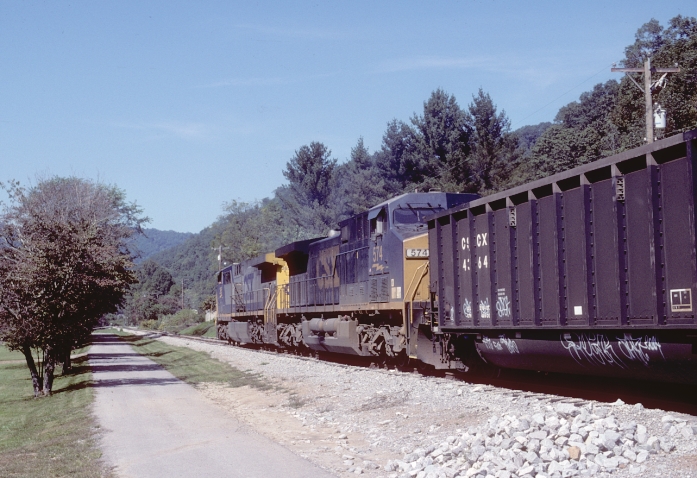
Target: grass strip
x: 50, y: 436
x: 189, y: 365
x: 201, y: 329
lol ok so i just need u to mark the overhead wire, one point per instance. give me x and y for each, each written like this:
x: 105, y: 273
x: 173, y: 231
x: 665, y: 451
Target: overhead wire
x: 564, y: 94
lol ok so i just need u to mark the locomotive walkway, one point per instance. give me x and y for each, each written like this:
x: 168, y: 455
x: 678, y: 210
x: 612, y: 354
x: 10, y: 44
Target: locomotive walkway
x: 155, y: 425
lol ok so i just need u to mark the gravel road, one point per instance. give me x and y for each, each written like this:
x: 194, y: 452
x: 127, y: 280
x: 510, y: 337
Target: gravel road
x: 154, y: 425
x: 383, y: 423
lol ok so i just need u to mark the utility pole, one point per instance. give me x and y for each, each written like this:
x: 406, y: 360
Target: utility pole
x: 647, y: 70
x: 220, y: 255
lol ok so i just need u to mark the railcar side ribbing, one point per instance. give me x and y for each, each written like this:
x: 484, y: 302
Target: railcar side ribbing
x: 592, y: 270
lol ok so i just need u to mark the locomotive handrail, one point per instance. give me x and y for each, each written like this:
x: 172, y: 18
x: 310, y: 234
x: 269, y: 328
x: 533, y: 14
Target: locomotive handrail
x: 305, y: 292
x: 425, y: 271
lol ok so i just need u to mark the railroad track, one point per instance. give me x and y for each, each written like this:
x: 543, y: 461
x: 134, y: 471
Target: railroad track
x: 551, y: 387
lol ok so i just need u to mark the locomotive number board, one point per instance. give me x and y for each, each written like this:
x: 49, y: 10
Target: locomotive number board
x: 417, y: 253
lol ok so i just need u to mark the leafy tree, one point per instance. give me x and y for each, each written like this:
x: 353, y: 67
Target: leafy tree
x: 359, y: 184
x: 493, y: 147
x: 64, y: 262
x: 431, y: 153
x: 442, y: 143
x: 582, y: 132
x: 678, y: 95
x: 192, y: 261
x: 527, y: 137
x: 154, y: 279
x: 248, y: 229
x: 310, y: 175
x: 396, y: 161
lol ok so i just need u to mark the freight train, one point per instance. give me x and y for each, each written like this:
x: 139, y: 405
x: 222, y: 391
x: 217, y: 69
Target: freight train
x: 589, y: 271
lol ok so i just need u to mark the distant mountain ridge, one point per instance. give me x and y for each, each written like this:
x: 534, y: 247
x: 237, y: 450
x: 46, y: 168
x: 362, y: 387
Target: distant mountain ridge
x: 155, y: 240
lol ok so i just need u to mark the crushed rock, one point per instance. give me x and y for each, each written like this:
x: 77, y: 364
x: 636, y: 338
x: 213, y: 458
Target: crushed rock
x: 390, y: 424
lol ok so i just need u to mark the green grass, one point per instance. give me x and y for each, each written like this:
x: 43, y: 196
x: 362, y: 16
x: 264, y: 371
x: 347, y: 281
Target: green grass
x: 7, y: 355
x: 192, y: 366
x: 198, y: 329
x: 50, y: 436
x: 212, y: 332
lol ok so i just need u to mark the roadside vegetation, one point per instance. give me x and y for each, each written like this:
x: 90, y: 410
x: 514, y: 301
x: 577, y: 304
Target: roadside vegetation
x: 47, y: 436
x: 205, y: 329
x: 189, y: 365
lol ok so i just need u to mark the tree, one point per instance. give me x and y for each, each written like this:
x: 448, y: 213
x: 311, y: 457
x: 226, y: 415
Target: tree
x: 154, y: 279
x: 64, y: 263
x: 667, y: 47
x: 583, y: 131
x: 442, y: 144
x: 359, y: 184
x: 492, y: 145
x: 310, y: 175
x: 396, y: 161
x: 431, y: 153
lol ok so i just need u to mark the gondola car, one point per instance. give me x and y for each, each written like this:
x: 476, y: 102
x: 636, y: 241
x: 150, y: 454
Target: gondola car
x: 589, y: 271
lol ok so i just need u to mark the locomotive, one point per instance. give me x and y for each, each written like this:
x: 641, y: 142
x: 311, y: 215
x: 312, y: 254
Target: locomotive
x: 589, y: 271
x: 363, y: 290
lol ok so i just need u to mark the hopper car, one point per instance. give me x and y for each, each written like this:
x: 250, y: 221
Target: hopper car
x: 590, y: 271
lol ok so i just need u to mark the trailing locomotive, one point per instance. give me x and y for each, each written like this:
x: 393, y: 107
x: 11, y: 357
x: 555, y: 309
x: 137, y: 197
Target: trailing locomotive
x: 591, y: 271
x: 363, y: 290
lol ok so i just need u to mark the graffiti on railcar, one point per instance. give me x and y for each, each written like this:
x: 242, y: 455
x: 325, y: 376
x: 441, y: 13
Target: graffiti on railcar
x: 597, y: 349
x: 503, y: 304
x: 509, y: 344
x: 637, y: 348
x: 503, y: 341
x: 467, y: 309
x: 485, y: 309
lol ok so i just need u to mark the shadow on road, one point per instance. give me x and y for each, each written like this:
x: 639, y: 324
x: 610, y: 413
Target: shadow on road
x: 123, y: 367
x: 103, y: 365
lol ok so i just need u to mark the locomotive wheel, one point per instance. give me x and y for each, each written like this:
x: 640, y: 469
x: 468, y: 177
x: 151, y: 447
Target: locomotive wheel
x: 402, y: 361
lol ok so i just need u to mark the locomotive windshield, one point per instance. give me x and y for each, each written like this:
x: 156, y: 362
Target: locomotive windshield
x: 414, y: 215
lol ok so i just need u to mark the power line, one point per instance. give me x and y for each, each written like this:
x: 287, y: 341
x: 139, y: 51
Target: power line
x: 604, y: 68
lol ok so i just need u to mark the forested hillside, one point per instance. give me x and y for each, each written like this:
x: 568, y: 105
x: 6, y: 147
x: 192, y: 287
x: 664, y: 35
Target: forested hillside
x: 445, y: 146
x: 153, y: 241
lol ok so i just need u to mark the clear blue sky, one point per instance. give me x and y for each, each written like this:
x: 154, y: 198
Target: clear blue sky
x: 186, y: 105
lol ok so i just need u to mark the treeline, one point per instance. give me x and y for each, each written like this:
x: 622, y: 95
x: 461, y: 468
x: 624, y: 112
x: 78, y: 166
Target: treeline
x: 445, y: 146
x: 153, y: 241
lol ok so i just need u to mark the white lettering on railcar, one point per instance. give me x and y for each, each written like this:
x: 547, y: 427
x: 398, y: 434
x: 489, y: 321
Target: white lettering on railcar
x: 491, y: 345
x: 503, y: 304
x: 509, y: 344
x: 595, y: 349
x: 467, y: 309
x: 637, y: 348
x: 485, y: 309
x: 503, y: 341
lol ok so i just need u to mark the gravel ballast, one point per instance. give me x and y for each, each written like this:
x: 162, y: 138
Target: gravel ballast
x: 385, y: 423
